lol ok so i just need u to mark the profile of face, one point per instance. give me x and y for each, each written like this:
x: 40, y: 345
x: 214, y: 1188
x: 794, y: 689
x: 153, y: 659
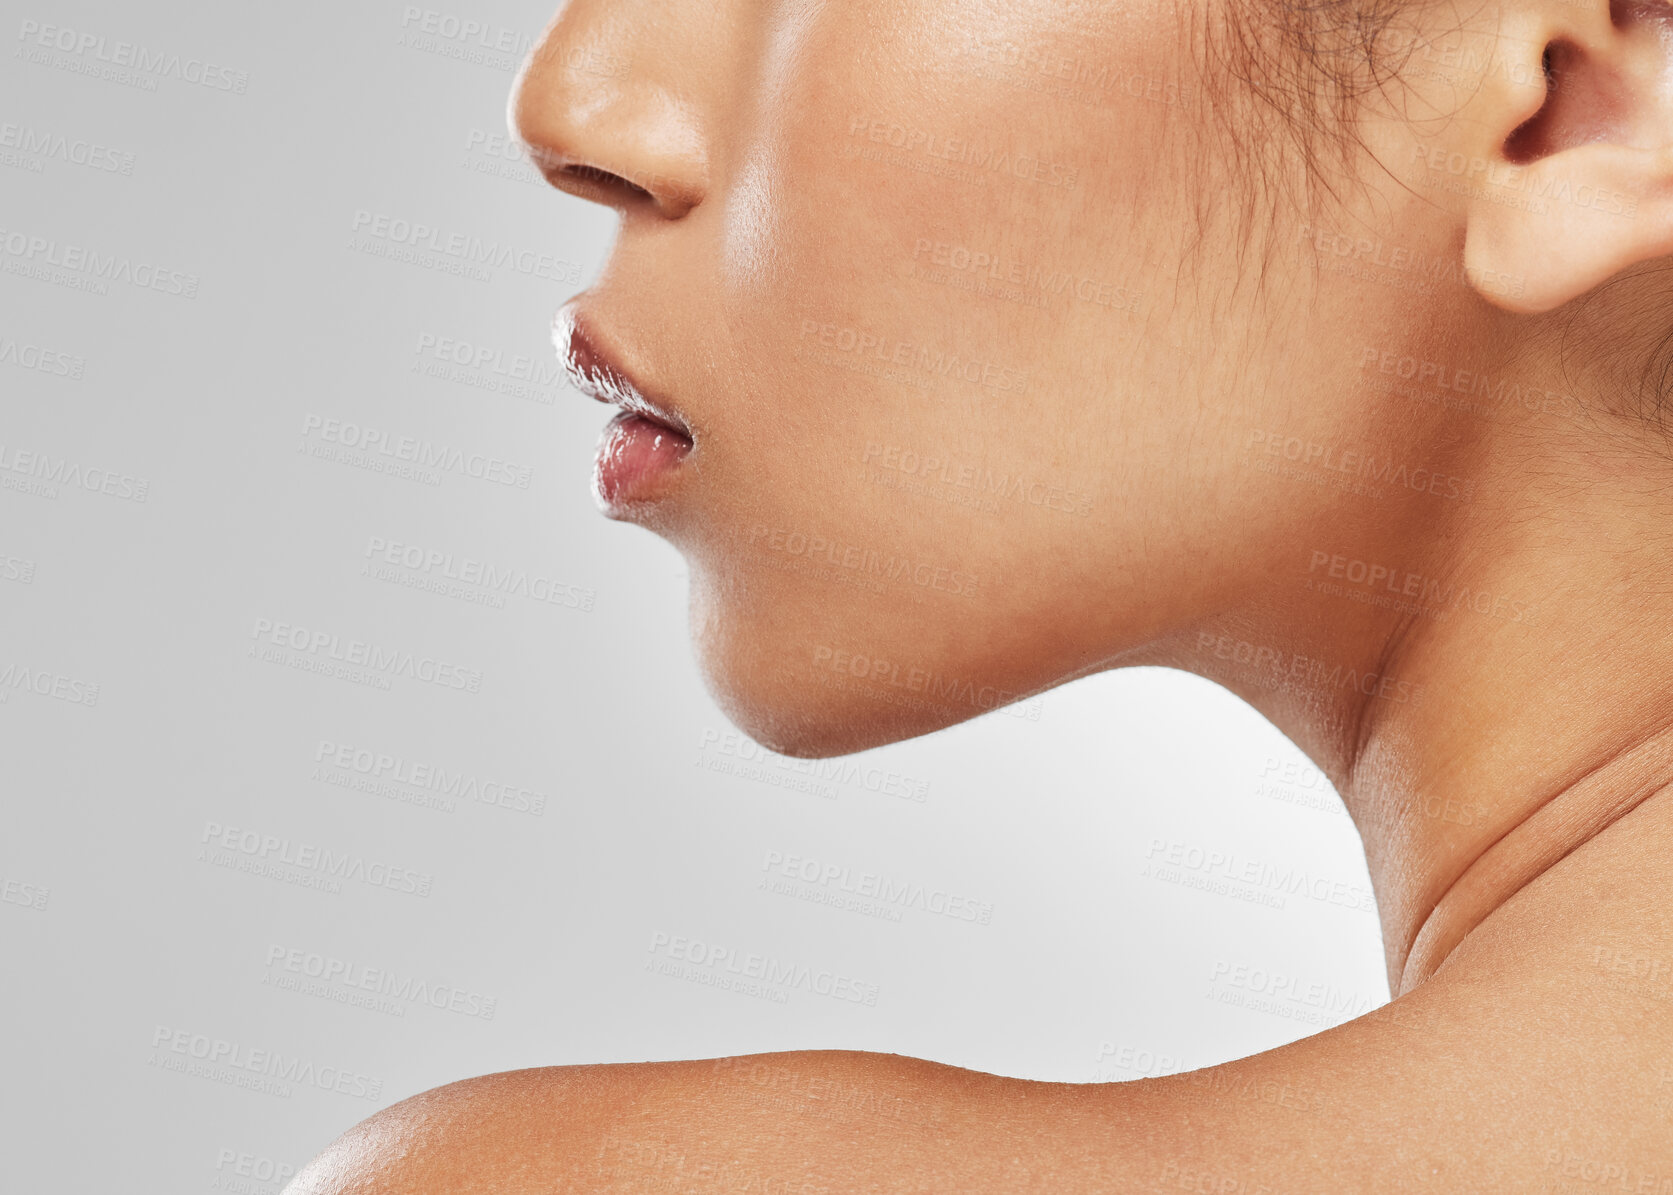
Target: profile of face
x: 965, y: 348
x: 975, y: 347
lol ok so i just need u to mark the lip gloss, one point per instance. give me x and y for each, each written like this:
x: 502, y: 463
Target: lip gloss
x: 634, y: 453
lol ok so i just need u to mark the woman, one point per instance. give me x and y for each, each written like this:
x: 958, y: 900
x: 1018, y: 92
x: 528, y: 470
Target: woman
x: 965, y: 349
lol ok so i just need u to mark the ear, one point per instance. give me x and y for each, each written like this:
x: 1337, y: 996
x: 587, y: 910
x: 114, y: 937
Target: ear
x: 1577, y: 183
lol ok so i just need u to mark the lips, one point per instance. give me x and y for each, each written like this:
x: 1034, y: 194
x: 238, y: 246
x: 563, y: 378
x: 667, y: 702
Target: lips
x: 646, y: 441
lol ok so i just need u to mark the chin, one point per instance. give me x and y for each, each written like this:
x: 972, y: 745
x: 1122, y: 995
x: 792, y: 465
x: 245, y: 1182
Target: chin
x: 791, y: 720
x: 821, y: 676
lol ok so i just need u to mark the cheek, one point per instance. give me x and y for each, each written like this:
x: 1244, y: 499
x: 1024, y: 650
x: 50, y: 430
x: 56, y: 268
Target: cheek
x: 953, y: 204
x: 846, y: 602
x: 925, y: 265
x: 963, y: 123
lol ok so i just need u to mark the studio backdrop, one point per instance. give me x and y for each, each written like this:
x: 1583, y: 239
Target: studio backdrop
x: 345, y: 750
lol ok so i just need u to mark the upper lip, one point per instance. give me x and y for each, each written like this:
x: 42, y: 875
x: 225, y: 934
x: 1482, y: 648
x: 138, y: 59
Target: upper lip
x: 593, y: 372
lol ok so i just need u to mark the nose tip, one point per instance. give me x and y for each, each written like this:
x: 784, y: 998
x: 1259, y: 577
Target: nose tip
x: 600, y: 108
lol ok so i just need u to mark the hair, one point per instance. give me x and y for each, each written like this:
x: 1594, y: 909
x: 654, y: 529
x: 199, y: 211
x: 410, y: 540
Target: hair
x: 1297, y: 71
x: 1281, y: 86
x: 1285, y: 81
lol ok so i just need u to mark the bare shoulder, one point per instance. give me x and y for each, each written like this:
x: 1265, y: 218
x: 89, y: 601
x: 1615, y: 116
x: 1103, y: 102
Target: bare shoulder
x: 1540, y: 1058
x: 1389, y: 1103
x: 801, y: 1121
x: 1413, y: 1096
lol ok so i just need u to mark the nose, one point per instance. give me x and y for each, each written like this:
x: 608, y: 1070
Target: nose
x: 615, y: 102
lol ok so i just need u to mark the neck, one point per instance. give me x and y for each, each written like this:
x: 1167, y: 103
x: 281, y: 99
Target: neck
x: 1489, y: 717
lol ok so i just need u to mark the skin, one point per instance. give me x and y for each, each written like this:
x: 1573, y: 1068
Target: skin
x: 1449, y: 589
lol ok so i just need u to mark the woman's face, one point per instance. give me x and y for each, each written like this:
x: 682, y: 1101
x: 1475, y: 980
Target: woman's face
x: 981, y: 355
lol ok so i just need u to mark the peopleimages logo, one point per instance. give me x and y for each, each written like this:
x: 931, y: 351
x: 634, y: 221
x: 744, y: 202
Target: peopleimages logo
x: 1276, y: 878
x: 518, y: 367
x: 296, y: 964
x: 722, y: 961
x: 361, y: 654
x: 474, y: 250
x: 1538, y: 185
x: 137, y: 63
x: 41, y: 360
x: 1430, y: 592
x: 880, y: 676
x: 1331, y: 1004
x: 32, y: 253
x: 513, y: 582
x: 268, y: 854
x: 243, y: 1066
x: 76, y: 151
x: 30, y: 896
x: 1092, y: 81
x: 1366, y: 466
x: 515, y: 375
x: 864, y: 562
x: 380, y: 767
x: 246, y: 1165
x: 926, y: 360
x: 43, y: 472
x: 364, y: 444
x: 1499, y: 393
x: 995, y: 267
x: 819, y: 773
x: 45, y: 683
x: 1422, y: 268
x: 961, y: 151
x: 1138, y: 1059
x: 983, y: 480
x: 1272, y: 668
x: 840, y: 878
x: 15, y: 568
x: 450, y: 27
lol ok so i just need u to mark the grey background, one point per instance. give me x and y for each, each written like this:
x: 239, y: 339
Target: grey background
x: 132, y: 945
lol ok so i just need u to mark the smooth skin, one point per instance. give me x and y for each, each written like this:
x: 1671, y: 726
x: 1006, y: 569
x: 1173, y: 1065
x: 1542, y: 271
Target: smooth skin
x: 1355, y: 428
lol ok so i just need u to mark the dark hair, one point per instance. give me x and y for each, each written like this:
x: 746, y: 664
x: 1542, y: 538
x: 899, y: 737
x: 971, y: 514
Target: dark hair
x: 1284, y: 81
x: 1293, y: 74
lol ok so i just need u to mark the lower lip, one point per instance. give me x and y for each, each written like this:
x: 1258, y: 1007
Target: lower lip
x: 634, y: 455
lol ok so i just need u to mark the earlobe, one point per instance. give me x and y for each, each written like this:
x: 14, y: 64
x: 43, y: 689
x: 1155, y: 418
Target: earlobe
x: 1567, y: 222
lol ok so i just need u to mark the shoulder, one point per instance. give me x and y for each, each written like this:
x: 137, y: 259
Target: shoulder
x: 1535, y: 1058
x: 829, y: 1122
x: 654, y: 1125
